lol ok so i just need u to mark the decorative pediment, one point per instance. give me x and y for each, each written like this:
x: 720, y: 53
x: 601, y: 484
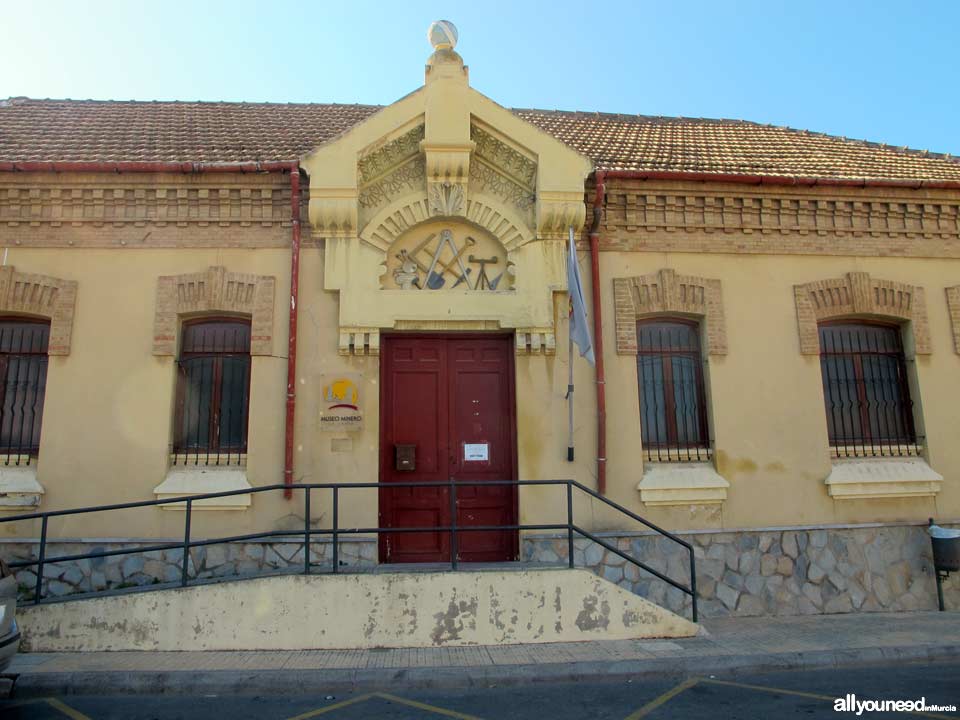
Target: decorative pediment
x: 445, y: 158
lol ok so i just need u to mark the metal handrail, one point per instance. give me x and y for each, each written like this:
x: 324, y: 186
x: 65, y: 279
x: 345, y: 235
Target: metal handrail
x: 453, y: 529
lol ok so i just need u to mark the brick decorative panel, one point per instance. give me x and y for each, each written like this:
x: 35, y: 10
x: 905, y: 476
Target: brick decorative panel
x: 647, y: 216
x: 953, y: 306
x: 666, y: 292
x: 214, y: 291
x: 146, y: 211
x: 857, y: 294
x: 45, y: 296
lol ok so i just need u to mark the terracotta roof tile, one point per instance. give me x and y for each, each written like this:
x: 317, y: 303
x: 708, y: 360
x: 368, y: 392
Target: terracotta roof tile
x: 637, y: 142
x: 90, y: 131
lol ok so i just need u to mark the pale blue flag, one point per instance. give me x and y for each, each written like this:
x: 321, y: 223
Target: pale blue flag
x: 579, y: 330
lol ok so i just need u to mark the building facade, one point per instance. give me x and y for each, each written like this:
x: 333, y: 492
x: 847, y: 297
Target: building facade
x: 780, y: 330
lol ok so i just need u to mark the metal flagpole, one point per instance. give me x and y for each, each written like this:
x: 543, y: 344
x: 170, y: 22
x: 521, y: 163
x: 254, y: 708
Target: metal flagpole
x: 577, y: 328
x: 570, y: 402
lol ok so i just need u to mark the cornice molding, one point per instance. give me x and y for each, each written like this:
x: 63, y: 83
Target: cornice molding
x: 694, y: 219
x: 97, y: 212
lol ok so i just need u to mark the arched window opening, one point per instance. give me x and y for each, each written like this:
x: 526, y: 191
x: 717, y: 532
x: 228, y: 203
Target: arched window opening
x: 866, y: 390
x: 673, y: 415
x: 23, y: 373
x: 213, y: 392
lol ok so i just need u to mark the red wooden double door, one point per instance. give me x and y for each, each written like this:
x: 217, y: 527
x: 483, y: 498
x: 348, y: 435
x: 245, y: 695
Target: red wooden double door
x: 452, y: 398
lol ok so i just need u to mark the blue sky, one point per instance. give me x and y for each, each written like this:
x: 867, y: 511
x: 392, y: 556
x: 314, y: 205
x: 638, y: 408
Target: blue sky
x: 884, y: 71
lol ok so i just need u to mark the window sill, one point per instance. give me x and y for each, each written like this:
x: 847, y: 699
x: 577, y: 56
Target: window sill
x: 687, y: 483
x: 19, y: 487
x: 200, y: 479
x: 864, y: 479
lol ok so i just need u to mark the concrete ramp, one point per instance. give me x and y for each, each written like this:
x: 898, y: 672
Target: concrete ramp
x: 297, y: 612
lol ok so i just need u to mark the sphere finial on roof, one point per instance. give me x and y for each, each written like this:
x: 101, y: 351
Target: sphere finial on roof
x: 442, y: 34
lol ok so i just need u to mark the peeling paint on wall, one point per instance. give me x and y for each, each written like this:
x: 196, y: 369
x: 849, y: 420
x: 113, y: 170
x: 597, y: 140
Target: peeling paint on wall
x: 354, y: 611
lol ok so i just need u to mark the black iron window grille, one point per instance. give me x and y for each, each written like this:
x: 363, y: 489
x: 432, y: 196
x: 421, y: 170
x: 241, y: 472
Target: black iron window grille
x: 673, y: 418
x: 23, y: 373
x: 866, y: 391
x: 213, y: 393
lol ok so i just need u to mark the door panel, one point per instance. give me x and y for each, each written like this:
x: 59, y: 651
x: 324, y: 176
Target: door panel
x: 414, y: 412
x: 480, y: 402
x: 448, y: 395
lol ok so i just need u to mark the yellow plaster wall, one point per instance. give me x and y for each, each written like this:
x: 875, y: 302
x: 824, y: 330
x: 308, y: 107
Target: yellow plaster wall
x: 107, y: 419
x: 768, y: 417
x: 108, y: 408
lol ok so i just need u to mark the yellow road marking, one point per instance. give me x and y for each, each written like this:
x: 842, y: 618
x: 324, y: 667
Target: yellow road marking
x: 766, y: 688
x: 429, y: 708
x: 330, y: 708
x: 662, y: 699
x: 384, y: 696
x: 66, y: 709
x: 799, y: 693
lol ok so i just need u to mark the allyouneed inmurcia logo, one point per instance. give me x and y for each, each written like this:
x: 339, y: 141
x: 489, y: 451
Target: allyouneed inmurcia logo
x: 850, y: 703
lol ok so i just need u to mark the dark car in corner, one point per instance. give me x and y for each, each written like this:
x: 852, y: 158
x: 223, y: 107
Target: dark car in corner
x: 9, y: 632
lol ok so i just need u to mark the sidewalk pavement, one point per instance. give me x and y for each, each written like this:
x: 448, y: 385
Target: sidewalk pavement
x: 730, y: 646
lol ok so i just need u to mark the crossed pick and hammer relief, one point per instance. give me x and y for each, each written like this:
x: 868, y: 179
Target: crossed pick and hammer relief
x: 435, y: 271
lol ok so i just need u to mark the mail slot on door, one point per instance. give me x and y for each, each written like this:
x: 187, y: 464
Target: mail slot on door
x: 406, y: 457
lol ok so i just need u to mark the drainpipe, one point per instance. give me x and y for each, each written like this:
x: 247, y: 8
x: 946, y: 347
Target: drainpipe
x: 598, y: 201
x: 199, y: 168
x: 292, y: 330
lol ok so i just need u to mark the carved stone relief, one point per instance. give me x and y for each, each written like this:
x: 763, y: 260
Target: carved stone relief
x: 487, y: 179
x: 504, y: 172
x: 444, y: 256
x: 407, y: 177
x: 446, y: 198
x: 381, y: 161
x: 393, y: 169
x: 499, y: 154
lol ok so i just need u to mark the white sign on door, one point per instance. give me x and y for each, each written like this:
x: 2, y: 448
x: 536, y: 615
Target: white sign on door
x: 476, y: 452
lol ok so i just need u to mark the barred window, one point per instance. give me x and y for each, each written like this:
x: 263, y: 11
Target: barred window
x: 866, y: 390
x: 23, y: 373
x: 673, y: 416
x: 213, y: 392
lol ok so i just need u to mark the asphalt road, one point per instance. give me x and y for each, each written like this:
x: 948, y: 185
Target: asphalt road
x: 797, y: 694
